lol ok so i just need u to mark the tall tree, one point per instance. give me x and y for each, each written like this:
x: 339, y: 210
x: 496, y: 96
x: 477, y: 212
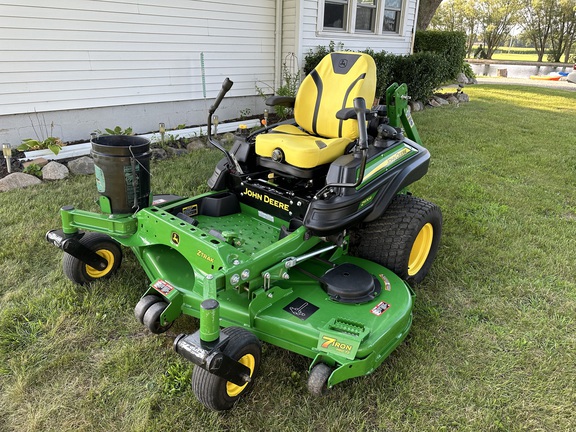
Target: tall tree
x: 426, y: 11
x: 496, y: 18
x: 537, y: 17
x: 563, y: 30
x: 458, y: 15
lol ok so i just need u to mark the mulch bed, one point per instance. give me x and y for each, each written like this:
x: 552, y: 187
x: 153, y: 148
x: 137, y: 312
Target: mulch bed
x: 15, y: 163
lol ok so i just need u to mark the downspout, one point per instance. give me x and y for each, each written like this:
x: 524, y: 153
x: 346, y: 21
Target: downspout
x: 414, y: 27
x: 278, y: 45
x: 298, y: 36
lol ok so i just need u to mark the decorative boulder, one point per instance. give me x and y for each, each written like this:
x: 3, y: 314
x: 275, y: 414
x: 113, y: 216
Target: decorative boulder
x: 176, y: 151
x: 452, y: 99
x: 463, y: 97
x: 159, y: 154
x: 55, y: 171
x: 195, y: 144
x: 440, y: 100
x: 81, y: 166
x: 18, y: 181
x: 462, y: 78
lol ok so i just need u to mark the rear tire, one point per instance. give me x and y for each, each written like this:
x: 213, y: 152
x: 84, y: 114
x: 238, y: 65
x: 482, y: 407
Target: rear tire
x: 216, y: 392
x: 80, y: 272
x: 405, y: 239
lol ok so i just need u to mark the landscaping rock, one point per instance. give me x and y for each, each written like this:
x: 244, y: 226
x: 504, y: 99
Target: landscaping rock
x: 159, y: 154
x: 414, y: 106
x: 55, y: 171
x: 195, y: 144
x: 440, y: 100
x: 176, y: 151
x: 40, y: 162
x: 432, y: 102
x: 81, y: 166
x: 452, y: 100
x: 463, y: 97
x: 462, y: 78
x: 18, y: 181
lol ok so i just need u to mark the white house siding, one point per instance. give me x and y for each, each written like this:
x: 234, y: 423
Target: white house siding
x: 89, y: 64
x: 290, y: 21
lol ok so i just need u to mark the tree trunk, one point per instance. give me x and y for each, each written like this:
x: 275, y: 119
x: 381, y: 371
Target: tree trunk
x: 426, y: 11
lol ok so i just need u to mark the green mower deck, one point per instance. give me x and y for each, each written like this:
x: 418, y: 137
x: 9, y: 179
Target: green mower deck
x: 256, y: 289
x: 316, y: 260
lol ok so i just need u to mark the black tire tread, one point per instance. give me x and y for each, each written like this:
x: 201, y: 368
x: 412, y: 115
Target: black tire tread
x: 318, y: 379
x: 144, y: 304
x: 210, y: 389
x: 74, y: 269
x: 388, y: 240
x: 151, y: 318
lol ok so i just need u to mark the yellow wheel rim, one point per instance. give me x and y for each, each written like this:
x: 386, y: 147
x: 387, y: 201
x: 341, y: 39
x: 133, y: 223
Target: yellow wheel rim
x: 234, y: 390
x: 108, y: 256
x: 420, y: 249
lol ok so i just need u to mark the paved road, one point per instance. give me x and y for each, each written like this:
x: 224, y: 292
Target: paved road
x: 560, y: 85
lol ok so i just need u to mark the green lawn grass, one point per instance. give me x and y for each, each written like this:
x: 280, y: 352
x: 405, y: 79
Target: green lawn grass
x: 492, y: 347
x: 514, y: 53
x: 517, y: 57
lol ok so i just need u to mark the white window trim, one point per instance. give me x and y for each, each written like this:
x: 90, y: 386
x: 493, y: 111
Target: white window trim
x: 351, y: 22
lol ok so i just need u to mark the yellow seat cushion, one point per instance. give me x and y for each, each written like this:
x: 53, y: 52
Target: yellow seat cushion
x: 339, y: 78
x: 300, y: 149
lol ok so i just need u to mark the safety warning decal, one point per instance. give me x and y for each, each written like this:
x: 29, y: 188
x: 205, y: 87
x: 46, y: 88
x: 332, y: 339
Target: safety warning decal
x: 163, y: 287
x: 380, y: 308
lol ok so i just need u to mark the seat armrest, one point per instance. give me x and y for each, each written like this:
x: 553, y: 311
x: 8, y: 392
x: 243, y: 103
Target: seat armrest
x: 350, y: 113
x: 287, y: 101
x: 346, y: 114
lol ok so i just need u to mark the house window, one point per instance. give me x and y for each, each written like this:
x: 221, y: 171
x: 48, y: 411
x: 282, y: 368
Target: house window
x: 361, y: 16
x: 336, y: 14
x: 392, y: 11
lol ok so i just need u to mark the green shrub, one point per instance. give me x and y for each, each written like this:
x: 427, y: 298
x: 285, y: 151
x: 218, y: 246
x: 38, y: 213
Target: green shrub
x: 385, y: 64
x: 54, y: 144
x: 467, y: 70
x: 422, y: 72
x: 450, y: 45
x: 116, y: 131
x: 33, y: 169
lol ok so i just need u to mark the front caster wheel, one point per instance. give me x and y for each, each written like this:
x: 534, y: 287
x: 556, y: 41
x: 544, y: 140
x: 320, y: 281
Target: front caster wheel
x: 318, y: 379
x: 151, y: 318
x: 143, y: 305
x: 216, y: 392
x: 80, y: 272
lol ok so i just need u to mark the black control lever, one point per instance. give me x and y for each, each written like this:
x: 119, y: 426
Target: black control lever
x: 232, y: 162
x: 226, y: 86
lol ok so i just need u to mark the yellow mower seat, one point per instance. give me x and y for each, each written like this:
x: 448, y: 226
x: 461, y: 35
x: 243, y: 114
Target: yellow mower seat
x: 319, y: 137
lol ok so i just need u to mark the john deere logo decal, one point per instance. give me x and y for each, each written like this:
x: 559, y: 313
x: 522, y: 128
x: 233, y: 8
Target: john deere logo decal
x: 343, y: 63
x: 175, y: 238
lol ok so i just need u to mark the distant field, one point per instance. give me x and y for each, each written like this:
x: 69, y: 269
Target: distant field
x: 513, y: 56
x: 514, y: 53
